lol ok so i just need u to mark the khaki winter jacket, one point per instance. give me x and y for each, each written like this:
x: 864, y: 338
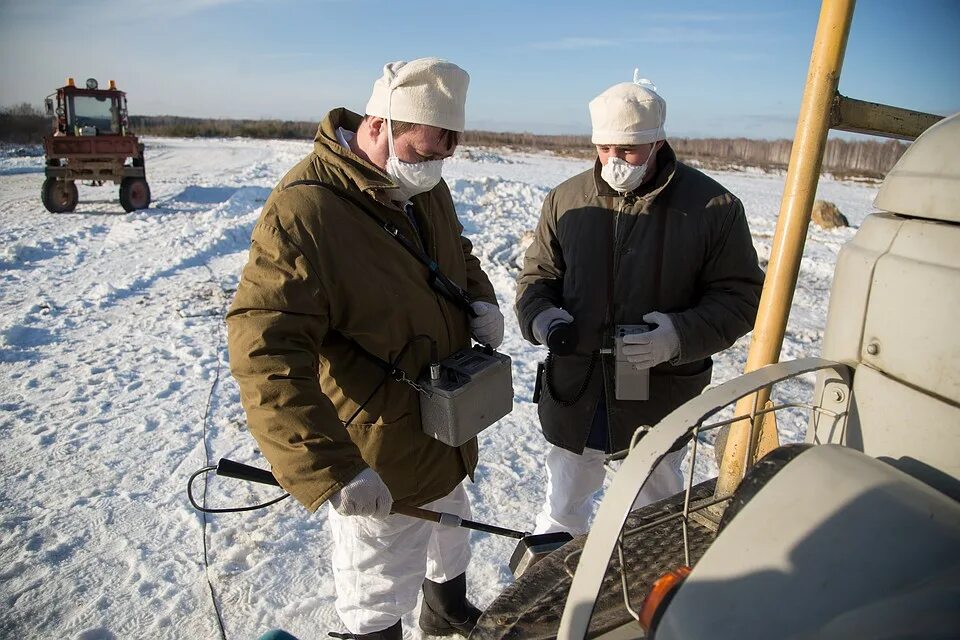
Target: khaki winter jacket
x: 324, y: 283
x: 679, y: 245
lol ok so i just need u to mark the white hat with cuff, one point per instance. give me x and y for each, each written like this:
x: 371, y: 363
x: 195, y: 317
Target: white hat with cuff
x: 427, y: 91
x: 628, y: 113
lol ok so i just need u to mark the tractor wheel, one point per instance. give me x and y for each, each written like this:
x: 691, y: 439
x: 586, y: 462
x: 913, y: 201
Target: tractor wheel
x: 134, y: 194
x: 59, y: 196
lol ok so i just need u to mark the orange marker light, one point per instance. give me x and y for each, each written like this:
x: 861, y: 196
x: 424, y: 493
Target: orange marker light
x: 660, y: 594
x: 70, y: 82
x: 113, y: 85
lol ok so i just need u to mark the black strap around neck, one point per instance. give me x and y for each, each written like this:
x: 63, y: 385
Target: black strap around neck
x: 437, y: 279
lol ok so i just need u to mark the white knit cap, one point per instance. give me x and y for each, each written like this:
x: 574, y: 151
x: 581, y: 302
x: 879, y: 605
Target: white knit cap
x: 423, y: 91
x: 628, y: 113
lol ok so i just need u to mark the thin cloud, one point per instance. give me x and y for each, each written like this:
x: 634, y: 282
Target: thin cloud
x: 575, y: 44
x: 684, y: 35
x: 90, y: 12
x: 705, y: 16
x: 689, y: 17
x: 648, y: 35
x: 175, y: 8
x: 750, y: 56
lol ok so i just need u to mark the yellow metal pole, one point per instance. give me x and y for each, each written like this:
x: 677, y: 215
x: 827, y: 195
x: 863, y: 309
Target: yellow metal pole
x: 806, y: 158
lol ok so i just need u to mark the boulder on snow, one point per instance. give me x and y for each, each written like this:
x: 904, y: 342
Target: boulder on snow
x: 826, y: 215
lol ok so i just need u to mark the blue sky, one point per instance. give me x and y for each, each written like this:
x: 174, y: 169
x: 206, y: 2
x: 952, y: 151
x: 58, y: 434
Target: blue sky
x: 725, y: 68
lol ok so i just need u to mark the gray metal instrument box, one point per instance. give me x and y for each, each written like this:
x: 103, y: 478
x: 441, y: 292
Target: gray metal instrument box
x: 475, y: 389
x: 630, y: 383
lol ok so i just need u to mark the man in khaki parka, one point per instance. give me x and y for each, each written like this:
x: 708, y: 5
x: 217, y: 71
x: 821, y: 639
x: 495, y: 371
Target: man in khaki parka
x: 639, y: 238
x: 329, y: 300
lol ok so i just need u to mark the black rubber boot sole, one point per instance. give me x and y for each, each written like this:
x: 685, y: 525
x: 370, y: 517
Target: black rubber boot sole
x: 434, y: 624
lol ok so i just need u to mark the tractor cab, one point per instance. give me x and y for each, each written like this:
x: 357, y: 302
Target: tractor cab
x: 90, y: 111
x: 91, y: 141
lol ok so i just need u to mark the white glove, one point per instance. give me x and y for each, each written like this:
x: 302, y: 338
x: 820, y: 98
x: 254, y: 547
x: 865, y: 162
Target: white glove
x: 365, y: 495
x: 545, y: 320
x: 487, y: 327
x: 646, y: 350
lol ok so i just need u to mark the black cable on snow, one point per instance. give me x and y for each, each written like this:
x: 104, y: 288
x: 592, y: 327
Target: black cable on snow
x: 206, y: 455
x: 203, y: 507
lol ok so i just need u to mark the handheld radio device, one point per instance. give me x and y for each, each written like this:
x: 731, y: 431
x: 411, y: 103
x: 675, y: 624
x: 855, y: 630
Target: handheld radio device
x: 630, y: 383
x: 465, y: 393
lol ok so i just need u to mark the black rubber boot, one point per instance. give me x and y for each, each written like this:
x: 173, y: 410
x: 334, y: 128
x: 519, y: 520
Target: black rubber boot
x: 390, y: 633
x: 445, y: 610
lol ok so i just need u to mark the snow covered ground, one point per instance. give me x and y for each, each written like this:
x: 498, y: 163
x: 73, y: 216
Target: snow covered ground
x: 116, y: 388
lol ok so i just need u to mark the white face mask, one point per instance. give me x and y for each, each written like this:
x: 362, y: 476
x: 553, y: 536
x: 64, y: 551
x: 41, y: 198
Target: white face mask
x: 620, y: 174
x: 411, y: 177
x: 623, y: 176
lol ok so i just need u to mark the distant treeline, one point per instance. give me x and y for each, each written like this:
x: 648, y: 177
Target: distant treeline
x: 24, y: 124
x: 860, y: 157
x: 179, y: 127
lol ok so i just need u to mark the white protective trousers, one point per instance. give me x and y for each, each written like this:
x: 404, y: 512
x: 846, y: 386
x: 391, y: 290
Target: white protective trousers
x: 573, y: 479
x: 379, y: 564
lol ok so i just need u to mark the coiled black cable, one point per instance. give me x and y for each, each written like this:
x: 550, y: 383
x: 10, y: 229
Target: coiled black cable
x: 392, y: 371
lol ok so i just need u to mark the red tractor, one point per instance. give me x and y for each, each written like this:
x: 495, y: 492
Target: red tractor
x: 92, y: 141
